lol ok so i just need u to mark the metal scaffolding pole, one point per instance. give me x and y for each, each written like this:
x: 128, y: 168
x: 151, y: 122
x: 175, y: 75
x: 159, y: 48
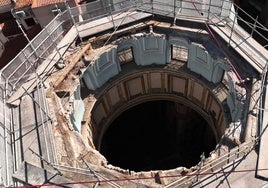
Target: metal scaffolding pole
x: 232, y: 29
x: 72, y: 18
x: 254, y: 26
x: 23, y: 32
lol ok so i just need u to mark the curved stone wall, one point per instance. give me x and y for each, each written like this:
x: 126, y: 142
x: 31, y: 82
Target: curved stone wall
x: 148, y: 49
x: 156, y: 84
x: 153, y: 49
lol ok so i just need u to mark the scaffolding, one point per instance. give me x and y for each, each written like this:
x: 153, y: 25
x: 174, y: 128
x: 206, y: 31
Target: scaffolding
x: 25, y: 73
x: 221, y: 15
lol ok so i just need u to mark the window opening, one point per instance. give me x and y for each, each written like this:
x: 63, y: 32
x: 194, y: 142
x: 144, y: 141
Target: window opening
x: 125, y: 55
x: 179, y: 53
x: 29, y: 22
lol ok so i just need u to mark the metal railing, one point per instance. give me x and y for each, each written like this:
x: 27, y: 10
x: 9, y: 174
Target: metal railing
x: 218, y: 13
x: 41, y: 47
x: 231, y: 156
x: 187, y: 9
x: 241, y: 39
x: 214, y: 165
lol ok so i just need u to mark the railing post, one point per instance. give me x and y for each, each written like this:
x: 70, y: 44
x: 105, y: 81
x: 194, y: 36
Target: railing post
x: 4, y: 182
x: 179, y: 10
x: 174, y: 7
x: 254, y: 26
x: 55, y: 45
x: 28, y: 59
x: 23, y: 32
x: 72, y: 18
x: 152, y: 7
x: 110, y: 11
x: 221, y: 8
x: 209, y: 5
x: 230, y: 38
x: 230, y: 9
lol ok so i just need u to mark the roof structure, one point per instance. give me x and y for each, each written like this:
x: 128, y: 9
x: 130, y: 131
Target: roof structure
x: 8, y: 24
x: 5, y: 2
x: 18, y: 39
x: 35, y: 3
x: 22, y: 3
x: 55, y: 114
x: 10, y: 28
x: 41, y: 3
x: 5, y: 16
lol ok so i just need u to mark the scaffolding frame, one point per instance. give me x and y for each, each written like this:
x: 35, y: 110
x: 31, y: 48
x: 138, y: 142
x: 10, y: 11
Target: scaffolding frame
x: 45, y: 45
x: 18, y: 70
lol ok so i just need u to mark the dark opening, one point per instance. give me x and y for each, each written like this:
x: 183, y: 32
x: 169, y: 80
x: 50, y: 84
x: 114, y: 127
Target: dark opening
x: 29, y: 21
x: 157, y: 135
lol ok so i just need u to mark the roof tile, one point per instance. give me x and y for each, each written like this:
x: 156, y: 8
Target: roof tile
x: 5, y: 16
x: 41, y: 3
x: 10, y: 28
x: 5, y: 2
x: 23, y: 3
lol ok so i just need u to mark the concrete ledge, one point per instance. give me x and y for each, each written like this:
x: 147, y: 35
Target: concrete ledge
x: 263, y: 152
x: 248, y: 48
x: 92, y: 27
x: 33, y: 175
x: 43, y: 69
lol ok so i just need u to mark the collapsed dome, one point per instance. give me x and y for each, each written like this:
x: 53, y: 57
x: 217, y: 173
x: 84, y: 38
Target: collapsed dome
x: 176, y: 83
x: 143, y: 129
x: 157, y: 135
